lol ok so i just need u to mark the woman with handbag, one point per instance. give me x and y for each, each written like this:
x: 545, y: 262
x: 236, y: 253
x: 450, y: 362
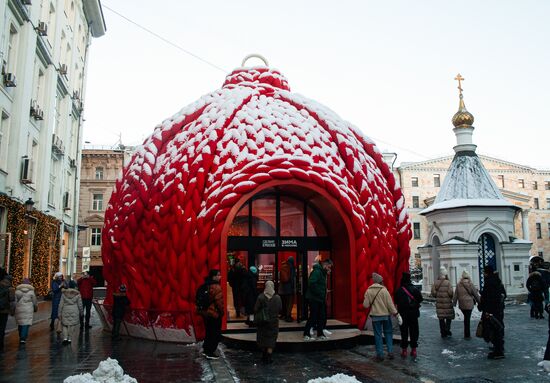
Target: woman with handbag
x: 266, y: 312
x: 378, y: 298
x: 467, y: 296
x: 25, y: 307
x: 408, y: 299
x: 442, y: 290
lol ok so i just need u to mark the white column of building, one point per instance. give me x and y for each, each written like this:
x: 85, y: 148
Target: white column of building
x: 525, y: 223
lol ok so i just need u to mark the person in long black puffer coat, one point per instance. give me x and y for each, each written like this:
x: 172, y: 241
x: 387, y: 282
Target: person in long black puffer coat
x: 492, y: 306
x: 250, y: 293
x: 268, y: 331
x: 408, y: 299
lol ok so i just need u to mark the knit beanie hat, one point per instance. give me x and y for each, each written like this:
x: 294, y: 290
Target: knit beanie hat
x: 377, y: 278
x: 443, y: 271
x: 253, y: 269
x: 465, y: 274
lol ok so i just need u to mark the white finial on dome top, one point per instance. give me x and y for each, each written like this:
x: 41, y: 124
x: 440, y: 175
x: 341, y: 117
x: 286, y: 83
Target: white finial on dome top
x: 256, y: 55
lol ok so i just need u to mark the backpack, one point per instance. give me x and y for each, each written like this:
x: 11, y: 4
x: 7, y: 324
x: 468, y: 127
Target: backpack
x: 202, y: 297
x: 285, y: 272
x: 4, y: 297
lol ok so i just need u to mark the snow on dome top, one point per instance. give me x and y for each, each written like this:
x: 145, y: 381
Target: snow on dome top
x: 167, y: 212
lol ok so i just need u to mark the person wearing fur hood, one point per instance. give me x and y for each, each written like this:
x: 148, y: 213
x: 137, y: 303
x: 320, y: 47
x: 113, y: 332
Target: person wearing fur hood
x: 25, y: 307
x: 70, y: 310
x: 442, y: 290
x: 467, y: 296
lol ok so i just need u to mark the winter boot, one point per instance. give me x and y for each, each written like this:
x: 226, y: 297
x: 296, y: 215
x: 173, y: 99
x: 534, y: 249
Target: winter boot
x: 265, y: 357
x: 51, y: 324
x: 413, y: 353
x: 403, y: 352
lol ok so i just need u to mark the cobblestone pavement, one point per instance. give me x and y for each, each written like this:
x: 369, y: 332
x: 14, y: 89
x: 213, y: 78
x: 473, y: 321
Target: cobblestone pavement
x: 44, y: 359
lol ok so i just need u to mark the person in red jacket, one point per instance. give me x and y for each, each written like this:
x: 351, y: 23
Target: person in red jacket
x: 86, y: 285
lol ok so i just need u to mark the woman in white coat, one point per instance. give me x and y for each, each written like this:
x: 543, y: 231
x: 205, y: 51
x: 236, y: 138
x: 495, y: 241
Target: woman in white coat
x: 25, y: 307
x: 70, y: 310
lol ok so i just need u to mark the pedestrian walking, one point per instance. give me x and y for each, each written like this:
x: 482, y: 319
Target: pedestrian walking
x: 467, y: 296
x: 210, y: 307
x: 266, y: 312
x: 7, y: 303
x: 535, y: 285
x: 250, y: 293
x: 25, y: 307
x: 235, y: 279
x: 442, y: 290
x: 316, y: 296
x: 287, y: 287
x: 70, y: 310
x: 120, y: 304
x: 57, y: 285
x: 408, y: 299
x: 545, y: 363
x: 86, y: 284
x: 378, y: 298
x: 492, y: 306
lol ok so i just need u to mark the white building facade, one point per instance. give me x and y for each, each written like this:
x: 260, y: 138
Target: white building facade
x: 44, y: 47
x: 470, y: 224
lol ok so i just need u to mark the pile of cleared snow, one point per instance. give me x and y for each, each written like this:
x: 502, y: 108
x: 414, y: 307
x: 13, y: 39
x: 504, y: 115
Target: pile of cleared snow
x: 109, y: 371
x: 338, y: 378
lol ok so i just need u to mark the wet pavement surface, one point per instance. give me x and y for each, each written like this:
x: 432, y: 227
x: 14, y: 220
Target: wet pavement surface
x: 454, y: 359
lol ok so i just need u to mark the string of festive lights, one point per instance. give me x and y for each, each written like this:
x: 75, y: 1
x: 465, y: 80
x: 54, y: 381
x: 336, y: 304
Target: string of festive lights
x: 42, y: 229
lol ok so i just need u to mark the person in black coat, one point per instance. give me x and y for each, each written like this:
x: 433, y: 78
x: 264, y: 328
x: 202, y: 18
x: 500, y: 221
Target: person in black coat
x: 250, y: 293
x: 492, y: 306
x: 535, y: 285
x: 407, y: 299
x: 120, y: 302
x: 235, y: 279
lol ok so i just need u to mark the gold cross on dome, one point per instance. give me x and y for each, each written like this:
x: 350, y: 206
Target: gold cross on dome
x: 459, y: 78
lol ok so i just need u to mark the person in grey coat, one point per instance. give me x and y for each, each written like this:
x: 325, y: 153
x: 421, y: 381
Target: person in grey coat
x: 70, y: 310
x: 25, y: 307
x: 467, y: 296
x: 268, y: 330
x: 442, y: 290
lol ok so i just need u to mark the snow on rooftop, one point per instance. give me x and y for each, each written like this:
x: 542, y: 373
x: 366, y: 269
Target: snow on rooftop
x: 454, y: 241
x: 481, y: 202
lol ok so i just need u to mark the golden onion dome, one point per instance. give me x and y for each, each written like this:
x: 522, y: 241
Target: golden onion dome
x: 462, y: 117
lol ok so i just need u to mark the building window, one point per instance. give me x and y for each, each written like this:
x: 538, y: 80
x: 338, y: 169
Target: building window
x: 437, y: 180
x: 414, y: 182
x: 516, y: 267
x: 95, y: 239
x: 539, y: 231
x: 535, y: 185
x: 13, y: 45
x: 99, y: 173
x: 536, y: 203
x: 416, y: 202
x: 97, y: 203
x: 501, y: 180
x: 547, y: 185
x: 416, y: 230
x: 4, y: 139
x: 548, y: 203
x: 548, y: 229
x: 521, y: 183
x: 541, y: 254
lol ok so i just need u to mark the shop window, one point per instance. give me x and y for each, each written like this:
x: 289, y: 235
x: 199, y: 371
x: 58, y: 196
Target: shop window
x: 95, y: 239
x: 292, y: 217
x: 437, y: 180
x: 414, y: 182
x: 239, y: 226
x: 416, y: 230
x: 97, y: 202
x: 539, y: 230
x: 416, y: 202
x: 315, y: 226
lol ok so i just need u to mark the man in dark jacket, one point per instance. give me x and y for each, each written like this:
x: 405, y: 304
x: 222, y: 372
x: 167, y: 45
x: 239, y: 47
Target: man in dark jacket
x: 235, y: 279
x: 86, y: 284
x: 213, y: 315
x: 7, y: 303
x: 316, y: 296
x: 492, y: 306
x: 408, y: 298
x: 287, y: 287
x: 120, y: 302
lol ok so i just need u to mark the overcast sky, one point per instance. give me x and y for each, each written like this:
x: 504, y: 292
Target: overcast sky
x: 386, y: 66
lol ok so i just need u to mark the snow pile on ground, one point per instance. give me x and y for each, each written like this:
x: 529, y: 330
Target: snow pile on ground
x: 109, y: 371
x: 338, y: 378
x: 545, y: 364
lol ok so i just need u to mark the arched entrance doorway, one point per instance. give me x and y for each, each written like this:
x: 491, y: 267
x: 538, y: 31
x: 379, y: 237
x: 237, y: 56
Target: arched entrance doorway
x: 285, y: 221
x: 486, y: 255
